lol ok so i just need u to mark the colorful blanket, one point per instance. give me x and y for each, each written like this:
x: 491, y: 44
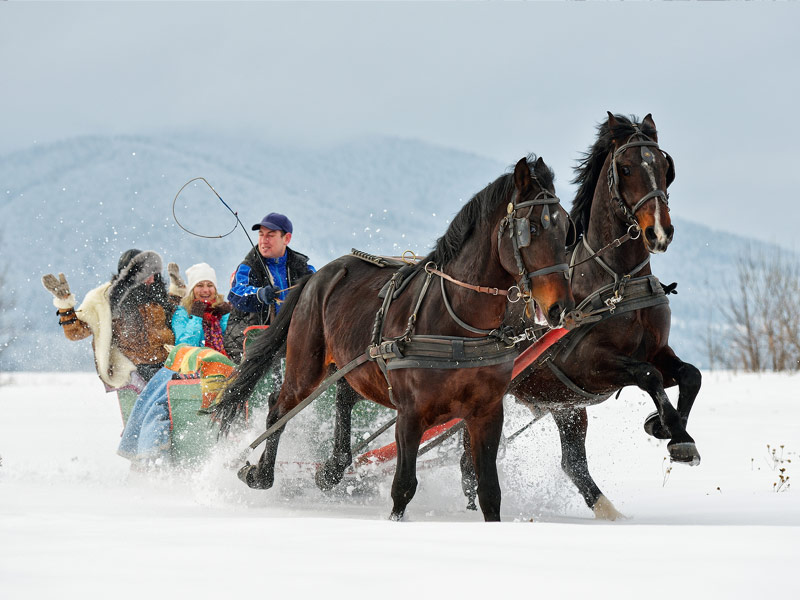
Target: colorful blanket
x: 213, y: 368
x: 147, y: 434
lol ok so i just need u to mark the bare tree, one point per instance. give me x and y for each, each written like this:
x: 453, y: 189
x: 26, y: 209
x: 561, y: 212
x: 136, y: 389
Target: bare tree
x: 762, y: 315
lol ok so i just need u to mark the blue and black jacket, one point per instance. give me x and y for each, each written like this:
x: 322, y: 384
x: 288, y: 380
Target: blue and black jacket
x: 251, y: 275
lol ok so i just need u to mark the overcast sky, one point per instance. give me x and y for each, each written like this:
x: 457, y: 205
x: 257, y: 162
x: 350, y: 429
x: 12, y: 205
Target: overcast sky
x: 499, y: 80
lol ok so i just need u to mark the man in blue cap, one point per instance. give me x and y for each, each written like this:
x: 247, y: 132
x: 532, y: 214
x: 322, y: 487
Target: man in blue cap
x: 261, y: 281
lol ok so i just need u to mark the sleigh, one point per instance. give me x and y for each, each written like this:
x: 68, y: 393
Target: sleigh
x: 199, y: 378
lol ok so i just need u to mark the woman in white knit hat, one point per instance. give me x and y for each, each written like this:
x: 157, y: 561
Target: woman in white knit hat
x: 202, y: 316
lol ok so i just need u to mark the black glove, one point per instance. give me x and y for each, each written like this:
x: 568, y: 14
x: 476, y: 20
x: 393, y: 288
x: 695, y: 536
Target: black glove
x: 198, y: 308
x: 266, y: 294
x: 221, y: 309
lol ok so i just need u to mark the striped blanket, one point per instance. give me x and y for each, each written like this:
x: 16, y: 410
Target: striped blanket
x: 212, y: 367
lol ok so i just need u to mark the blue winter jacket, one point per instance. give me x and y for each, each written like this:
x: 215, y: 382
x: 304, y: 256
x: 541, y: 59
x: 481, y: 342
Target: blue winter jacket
x: 243, y: 294
x: 188, y: 329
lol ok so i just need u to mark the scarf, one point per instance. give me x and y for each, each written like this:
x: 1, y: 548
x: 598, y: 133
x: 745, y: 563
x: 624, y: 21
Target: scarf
x: 212, y: 331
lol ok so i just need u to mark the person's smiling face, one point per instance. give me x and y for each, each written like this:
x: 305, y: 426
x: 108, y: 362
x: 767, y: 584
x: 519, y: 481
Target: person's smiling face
x: 205, y: 291
x: 272, y: 243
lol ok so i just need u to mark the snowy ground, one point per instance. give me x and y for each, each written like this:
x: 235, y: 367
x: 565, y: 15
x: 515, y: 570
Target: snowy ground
x: 74, y: 522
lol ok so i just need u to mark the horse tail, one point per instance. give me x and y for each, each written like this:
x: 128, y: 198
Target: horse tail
x: 259, y: 358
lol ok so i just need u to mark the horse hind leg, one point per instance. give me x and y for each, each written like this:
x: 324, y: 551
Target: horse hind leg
x: 261, y: 476
x: 485, y: 440
x: 572, y: 426
x: 469, y: 479
x: 331, y: 472
x: 300, y: 380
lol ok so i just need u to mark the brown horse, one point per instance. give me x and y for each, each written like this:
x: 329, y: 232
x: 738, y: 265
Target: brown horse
x: 623, y: 181
x: 509, y: 236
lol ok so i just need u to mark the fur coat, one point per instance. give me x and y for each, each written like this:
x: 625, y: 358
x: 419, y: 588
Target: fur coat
x: 128, y: 319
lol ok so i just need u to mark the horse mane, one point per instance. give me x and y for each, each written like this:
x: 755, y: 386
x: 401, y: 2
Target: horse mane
x: 590, y: 167
x: 479, y: 209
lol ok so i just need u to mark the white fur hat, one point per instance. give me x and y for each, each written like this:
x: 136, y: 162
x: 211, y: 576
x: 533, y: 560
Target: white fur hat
x: 200, y: 272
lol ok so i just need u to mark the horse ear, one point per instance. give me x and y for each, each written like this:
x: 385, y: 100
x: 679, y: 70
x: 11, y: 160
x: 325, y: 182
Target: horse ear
x: 648, y: 122
x: 522, y: 174
x: 611, y: 125
x: 539, y: 166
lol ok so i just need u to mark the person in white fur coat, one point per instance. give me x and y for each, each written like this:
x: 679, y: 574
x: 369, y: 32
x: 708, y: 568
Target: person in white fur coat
x: 128, y: 317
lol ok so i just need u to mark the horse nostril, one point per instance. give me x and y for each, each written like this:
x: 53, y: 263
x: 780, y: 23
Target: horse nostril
x: 670, y: 232
x: 554, y: 314
x: 650, y: 235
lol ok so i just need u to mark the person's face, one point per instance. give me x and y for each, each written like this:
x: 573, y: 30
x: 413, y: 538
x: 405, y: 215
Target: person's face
x: 205, y: 291
x: 272, y: 243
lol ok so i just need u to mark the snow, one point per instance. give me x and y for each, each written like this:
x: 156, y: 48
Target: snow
x: 74, y: 521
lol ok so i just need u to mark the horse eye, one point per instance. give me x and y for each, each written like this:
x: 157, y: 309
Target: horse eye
x: 533, y: 228
x: 626, y: 171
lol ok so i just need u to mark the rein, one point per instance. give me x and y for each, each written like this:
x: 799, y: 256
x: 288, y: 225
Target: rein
x: 615, y: 243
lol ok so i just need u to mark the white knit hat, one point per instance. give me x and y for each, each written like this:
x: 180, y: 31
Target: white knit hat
x: 200, y: 272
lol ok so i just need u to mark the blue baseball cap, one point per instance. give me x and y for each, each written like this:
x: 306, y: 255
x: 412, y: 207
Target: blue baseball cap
x: 276, y: 222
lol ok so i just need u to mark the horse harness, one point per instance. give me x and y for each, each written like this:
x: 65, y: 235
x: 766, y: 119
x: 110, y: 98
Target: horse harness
x: 412, y: 351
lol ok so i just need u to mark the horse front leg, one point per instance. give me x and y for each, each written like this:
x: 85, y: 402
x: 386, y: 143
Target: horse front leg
x: 572, y: 425
x: 485, y: 436
x: 681, y: 446
x: 688, y: 379
x: 331, y: 472
x: 408, y: 434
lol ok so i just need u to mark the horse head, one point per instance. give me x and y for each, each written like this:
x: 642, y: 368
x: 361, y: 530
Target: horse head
x: 639, y: 173
x: 533, y: 232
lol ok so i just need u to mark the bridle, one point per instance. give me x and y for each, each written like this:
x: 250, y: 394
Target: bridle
x: 640, y: 140
x: 520, y: 231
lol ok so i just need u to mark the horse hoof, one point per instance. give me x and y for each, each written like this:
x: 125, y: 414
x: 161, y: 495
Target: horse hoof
x: 653, y: 427
x: 685, y: 453
x: 249, y: 475
x: 603, y: 509
x: 323, y: 480
x: 396, y: 516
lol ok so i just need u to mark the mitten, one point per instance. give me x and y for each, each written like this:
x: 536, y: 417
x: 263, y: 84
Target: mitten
x: 177, y: 287
x: 266, y: 294
x: 222, y: 309
x: 62, y: 297
x: 198, y: 308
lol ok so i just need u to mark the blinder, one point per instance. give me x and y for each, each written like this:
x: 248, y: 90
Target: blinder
x: 670, y: 168
x: 522, y: 231
x: 523, y: 227
x: 572, y: 233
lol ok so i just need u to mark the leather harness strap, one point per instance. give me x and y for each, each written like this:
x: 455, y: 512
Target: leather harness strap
x: 475, y: 288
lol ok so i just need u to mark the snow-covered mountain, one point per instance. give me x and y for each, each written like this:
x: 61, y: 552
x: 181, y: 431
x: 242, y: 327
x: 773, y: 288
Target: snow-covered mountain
x: 75, y: 206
